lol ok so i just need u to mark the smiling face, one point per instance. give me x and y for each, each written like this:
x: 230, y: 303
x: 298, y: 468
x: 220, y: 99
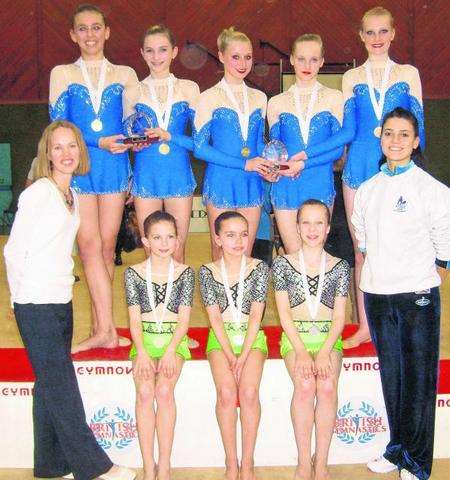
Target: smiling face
x: 313, y: 226
x: 233, y: 236
x: 398, y: 140
x: 89, y: 32
x: 377, y: 34
x: 237, y: 60
x: 63, y: 152
x: 161, y: 239
x: 158, y: 53
x: 307, y: 60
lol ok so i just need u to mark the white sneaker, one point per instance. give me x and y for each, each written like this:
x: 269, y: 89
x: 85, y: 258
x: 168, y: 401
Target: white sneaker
x: 405, y: 475
x: 69, y: 475
x: 381, y: 465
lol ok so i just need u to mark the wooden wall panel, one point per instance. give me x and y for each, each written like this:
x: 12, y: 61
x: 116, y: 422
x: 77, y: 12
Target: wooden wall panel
x: 38, y: 39
x: 19, y: 59
x: 432, y: 47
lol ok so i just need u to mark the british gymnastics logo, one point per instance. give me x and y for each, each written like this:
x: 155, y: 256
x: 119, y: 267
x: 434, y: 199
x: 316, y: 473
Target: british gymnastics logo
x: 358, y: 422
x: 113, y: 427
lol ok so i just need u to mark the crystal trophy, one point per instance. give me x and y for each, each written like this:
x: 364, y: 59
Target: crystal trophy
x: 135, y: 126
x: 276, y: 152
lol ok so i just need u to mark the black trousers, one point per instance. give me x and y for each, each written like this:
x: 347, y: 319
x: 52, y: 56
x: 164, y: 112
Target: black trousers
x: 63, y: 442
x: 405, y: 330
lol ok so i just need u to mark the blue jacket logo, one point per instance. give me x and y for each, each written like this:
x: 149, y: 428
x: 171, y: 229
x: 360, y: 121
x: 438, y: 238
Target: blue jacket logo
x: 401, y: 205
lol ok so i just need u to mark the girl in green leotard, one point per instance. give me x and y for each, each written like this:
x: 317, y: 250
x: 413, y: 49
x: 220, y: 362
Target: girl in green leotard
x: 234, y: 290
x: 311, y: 289
x: 159, y: 295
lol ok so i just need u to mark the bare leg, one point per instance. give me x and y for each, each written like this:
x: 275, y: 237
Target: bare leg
x: 181, y: 209
x: 302, y: 413
x: 213, y: 213
x: 325, y: 417
x: 226, y: 410
x: 287, y: 226
x: 252, y: 214
x: 97, y: 276
x: 363, y: 334
x: 250, y: 410
x: 166, y: 415
x: 144, y: 207
x: 145, y: 418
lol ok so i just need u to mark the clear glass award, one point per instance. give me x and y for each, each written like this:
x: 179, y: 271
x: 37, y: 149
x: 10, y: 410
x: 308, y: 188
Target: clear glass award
x: 276, y: 152
x: 135, y: 126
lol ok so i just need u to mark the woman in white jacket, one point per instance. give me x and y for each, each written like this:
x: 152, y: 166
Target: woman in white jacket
x: 39, y: 268
x: 402, y: 224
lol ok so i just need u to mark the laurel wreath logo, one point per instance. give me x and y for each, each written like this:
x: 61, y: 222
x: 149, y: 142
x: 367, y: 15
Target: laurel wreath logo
x: 103, y: 416
x: 345, y: 411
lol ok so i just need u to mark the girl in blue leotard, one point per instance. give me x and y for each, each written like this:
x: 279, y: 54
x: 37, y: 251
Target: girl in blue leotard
x: 307, y: 114
x: 229, y: 136
x: 89, y: 94
x: 162, y: 175
x: 370, y: 91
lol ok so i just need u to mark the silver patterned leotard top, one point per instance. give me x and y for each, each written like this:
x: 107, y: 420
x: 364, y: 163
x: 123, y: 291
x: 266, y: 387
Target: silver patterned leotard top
x: 182, y: 294
x: 255, y: 287
x: 287, y: 277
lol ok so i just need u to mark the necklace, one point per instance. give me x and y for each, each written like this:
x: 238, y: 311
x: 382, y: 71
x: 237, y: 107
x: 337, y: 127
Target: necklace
x: 67, y: 195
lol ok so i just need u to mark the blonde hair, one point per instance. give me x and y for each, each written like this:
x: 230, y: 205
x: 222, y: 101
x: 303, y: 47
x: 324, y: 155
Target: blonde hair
x: 160, y: 29
x: 308, y: 37
x: 228, y: 35
x: 377, y: 12
x: 43, y: 163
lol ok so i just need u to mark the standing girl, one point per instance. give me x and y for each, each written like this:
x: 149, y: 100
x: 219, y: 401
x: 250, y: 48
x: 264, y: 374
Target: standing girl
x: 311, y: 290
x: 402, y: 224
x: 162, y: 175
x: 89, y: 93
x: 159, y: 295
x: 370, y: 91
x: 234, y: 291
x: 229, y: 130
x: 306, y: 114
x: 39, y: 267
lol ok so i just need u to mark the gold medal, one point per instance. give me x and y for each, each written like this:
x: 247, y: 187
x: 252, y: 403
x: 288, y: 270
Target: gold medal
x: 245, y: 152
x: 164, y: 149
x: 377, y: 132
x: 97, y: 125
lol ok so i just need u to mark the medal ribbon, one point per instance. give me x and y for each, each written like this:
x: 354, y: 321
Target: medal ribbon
x: 236, y: 310
x: 243, y: 116
x: 378, y: 106
x: 95, y: 94
x: 305, y: 121
x: 151, y: 297
x: 163, y: 115
x: 313, y: 306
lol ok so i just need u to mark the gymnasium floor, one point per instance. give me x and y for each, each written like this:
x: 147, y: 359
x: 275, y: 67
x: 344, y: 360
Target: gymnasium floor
x: 197, y: 253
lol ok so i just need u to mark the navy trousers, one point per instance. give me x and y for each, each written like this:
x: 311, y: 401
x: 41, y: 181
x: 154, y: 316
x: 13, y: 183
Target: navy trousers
x: 405, y: 330
x: 63, y: 442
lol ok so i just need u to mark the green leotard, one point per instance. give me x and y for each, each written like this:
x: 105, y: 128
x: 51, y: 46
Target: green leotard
x: 213, y: 293
x: 155, y: 342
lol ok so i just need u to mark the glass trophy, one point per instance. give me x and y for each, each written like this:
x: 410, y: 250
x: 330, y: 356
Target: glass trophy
x: 135, y: 126
x: 276, y: 152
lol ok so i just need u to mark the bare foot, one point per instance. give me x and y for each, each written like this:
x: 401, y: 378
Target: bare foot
x: 231, y: 473
x: 163, y: 473
x: 361, y: 336
x: 150, y: 473
x: 107, y: 340
x: 303, y: 472
x: 322, y: 474
x: 247, y: 472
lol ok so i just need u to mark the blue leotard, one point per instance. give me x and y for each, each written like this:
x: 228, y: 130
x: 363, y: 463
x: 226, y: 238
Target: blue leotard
x: 69, y: 100
x: 364, y: 153
x: 316, y: 179
x: 218, y: 141
x: 156, y: 175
